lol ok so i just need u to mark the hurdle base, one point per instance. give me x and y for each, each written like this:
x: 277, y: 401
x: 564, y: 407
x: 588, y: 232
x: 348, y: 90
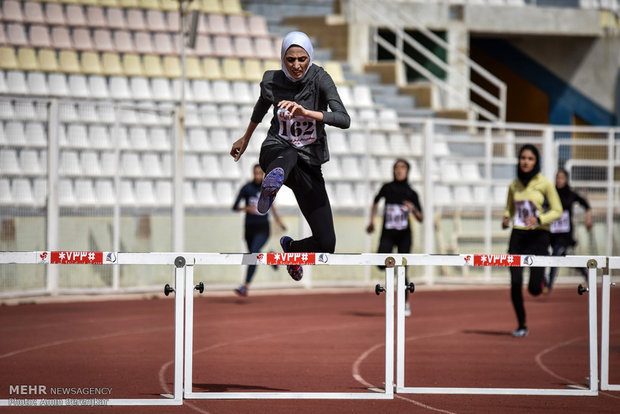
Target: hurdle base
x: 496, y: 391
x: 289, y: 396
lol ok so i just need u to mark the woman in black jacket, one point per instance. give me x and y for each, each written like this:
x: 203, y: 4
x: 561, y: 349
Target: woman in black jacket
x: 296, y: 144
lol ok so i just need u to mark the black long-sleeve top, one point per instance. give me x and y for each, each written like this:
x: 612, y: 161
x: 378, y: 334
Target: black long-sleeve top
x: 316, y: 92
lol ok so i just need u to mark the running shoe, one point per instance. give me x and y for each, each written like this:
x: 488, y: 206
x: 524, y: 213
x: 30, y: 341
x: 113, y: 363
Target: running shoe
x: 295, y: 271
x: 520, y: 333
x: 241, y: 291
x: 270, y: 187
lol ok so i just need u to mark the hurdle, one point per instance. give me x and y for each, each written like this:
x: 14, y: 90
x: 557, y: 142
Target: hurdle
x: 284, y: 259
x: 613, y: 263
x: 112, y: 258
x: 592, y: 263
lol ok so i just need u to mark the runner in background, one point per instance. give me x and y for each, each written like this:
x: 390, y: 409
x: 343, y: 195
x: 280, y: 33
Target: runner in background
x: 562, y: 229
x: 257, y: 226
x: 400, y: 201
x: 527, y: 195
x: 296, y: 143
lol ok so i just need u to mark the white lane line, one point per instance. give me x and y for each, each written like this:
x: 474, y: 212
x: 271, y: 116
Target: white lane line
x: 358, y: 362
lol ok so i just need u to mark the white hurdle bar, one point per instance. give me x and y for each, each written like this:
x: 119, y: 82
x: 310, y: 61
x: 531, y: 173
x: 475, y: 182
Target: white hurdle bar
x: 67, y: 257
x: 282, y: 259
x: 592, y: 263
x: 613, y: 263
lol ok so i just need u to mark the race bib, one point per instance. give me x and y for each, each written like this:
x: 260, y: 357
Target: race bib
x: 561, y: 225
x: 396, y: 216
x: 523, y: 210
x: 299, y: 130
x: 253, y: 202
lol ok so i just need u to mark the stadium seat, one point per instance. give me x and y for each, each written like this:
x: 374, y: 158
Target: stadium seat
x: 470, y: 171
x: 205, y: 194
x: 132, y: 65
x: 332, y: 170
x: 87, y: 110
x: 104, y: 191
x: 252, y: 70
x: 201, y: 90
x: 197, y: 139
x: 35, y: 134
x: 81, y: 39
x: 77, y: 136
x: 57, y: 83
x: 153, y: 66
x: 85, y: 193
x: 95, y: 17
x: 109, y: 166
x: 78, y: 86
x: 152, y: 165
x: 191, y: 163
x: 158, y: 138
x: 39, y: 36
x: 127, y: 196
x: 98, y: 87
x: 69, y: 164
x: 216, y: 23
x: 172, y: 66
x: 463, y: 194
x: 237, y: 25
x: 351, y: 167
x: 155, y: 20
x: 8, y: 58
x: 27, y: 59
x: 172, y: 21
x: 138, y: 138
x: 12, y: 11
x: 47, y: 60
x: 111, y: 64
x: 39, y: 192
x: 16, y: 82
x: 61, y: 38
x: 219, y: 140
x: 33, y: 12
x: 9, y: 164
x: 66, y: 195
x: 130, y: 164
x: 16, y: 34
x: 337, y: 141
x: 160, y: 88
x: 6, y: 110
x: 115, y: 18
x: 244, y: 47
x: 242, y: 93
x: 123, y: 42
x: 221, y: 91
x: 232, y: 6
x: 75, y: 15
x: 257, y: 26
x: 68, y: 61
x: 223, y: 46
x: 145, y: 193
x: 225, y: 194
x: 203, y: 46
x: 211, y: 68
x: 143, y: 43
x: 21, y: 192
x: 89, y: 162
x: 135, y: 20
x: 54, y: 14
x: 399, y: 144
x: 119, y: 88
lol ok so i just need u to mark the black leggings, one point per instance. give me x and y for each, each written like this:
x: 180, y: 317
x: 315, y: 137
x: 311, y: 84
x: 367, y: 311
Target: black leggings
x: 523, y: 242
x: 308, y: 185
x: 399, y: 238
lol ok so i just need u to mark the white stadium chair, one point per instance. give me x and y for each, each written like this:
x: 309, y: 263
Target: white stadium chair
x: 21, y: 192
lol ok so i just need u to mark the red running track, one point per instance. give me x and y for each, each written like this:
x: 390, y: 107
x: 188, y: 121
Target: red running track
x: 310, y: 342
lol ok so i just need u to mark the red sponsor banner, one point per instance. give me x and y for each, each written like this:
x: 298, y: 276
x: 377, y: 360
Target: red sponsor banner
x: 493, y: 260
x: 286, y: 258
x: 76, y: 257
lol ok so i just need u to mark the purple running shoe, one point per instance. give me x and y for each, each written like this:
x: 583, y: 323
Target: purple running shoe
x: 296, y: 271
x: 270, y: 187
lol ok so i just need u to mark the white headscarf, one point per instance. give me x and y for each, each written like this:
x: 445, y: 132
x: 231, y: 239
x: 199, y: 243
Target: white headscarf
x: 296, y: 39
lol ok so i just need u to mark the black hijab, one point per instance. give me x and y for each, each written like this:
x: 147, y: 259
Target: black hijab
x: 523, y: 176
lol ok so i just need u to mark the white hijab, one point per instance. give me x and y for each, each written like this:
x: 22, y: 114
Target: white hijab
x: 296, y: 39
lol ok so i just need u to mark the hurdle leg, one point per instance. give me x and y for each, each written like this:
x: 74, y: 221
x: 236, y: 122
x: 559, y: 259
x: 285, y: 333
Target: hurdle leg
x: 178, y: 333
x: 400, y: 328
x: 592, y: 322
x: 389, y: 331
x: 189, y: 330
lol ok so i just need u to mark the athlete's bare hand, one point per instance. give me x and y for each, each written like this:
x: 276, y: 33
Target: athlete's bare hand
x: 505, y: 222
x: 370, y: 228
x: 293, y: 109
x: 238, y: 148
